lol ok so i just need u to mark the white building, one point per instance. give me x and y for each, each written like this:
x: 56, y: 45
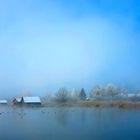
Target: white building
x: 28, y: 100
x: 3, y: 102
x: 31, y: 100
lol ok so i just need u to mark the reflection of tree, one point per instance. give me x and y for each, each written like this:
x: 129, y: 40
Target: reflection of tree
x: 22, y: 113
x: 62, y: 117
x: 83, y: 115
x: 19, y: 113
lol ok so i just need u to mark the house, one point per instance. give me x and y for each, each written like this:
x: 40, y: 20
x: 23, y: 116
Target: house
x: 17, y: 100
x: 3, y: 102
x: 35, y: 100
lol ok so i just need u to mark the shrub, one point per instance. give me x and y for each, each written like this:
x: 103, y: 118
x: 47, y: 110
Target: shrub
x: 112, y: 90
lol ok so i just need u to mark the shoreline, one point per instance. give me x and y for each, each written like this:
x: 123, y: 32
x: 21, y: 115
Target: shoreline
x: 85, y: 104
x: 118, y: 104
x: 97, y: 104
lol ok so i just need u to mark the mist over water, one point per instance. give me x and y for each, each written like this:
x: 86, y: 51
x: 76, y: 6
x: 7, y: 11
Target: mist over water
x: 69, y: 123
x: 46, y: 45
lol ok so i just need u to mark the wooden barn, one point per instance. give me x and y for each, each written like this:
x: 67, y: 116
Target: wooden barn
x: 33, y: 100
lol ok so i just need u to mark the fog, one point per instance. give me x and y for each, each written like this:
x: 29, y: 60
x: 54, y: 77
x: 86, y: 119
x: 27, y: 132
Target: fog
x: 72, y: 44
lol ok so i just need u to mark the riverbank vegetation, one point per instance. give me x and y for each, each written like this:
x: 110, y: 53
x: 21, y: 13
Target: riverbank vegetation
x: 99, y: 96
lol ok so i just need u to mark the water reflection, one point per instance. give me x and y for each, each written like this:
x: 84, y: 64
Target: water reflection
x: 61, y: 116
x: 69, y: 123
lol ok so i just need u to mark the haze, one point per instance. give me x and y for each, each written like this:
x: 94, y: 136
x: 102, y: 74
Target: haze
x: 45, y: 45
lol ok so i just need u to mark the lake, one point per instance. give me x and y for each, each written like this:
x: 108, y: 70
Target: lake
x: 65, y: 123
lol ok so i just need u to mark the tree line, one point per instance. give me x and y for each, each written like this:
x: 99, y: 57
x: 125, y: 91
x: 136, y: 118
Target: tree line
x: 109, y: 91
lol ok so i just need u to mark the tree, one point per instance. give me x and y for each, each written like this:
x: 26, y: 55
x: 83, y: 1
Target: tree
x: 112, y: 90
x: 82, y: 94
x: 62, y: 95
x: 74, y: 95
x: 97, y: 91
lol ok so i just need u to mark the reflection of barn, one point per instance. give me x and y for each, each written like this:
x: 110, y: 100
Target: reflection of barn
x: 35, y: 100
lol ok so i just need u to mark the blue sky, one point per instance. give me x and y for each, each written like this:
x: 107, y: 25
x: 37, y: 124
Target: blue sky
x: 47, y: 44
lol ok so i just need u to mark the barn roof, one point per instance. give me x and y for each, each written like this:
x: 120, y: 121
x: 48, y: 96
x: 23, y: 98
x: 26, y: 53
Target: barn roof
x: 18, y: 100
x: 34, y: 99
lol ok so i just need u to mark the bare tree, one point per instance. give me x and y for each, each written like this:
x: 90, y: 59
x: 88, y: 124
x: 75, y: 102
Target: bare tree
x: 76, y: 95
x: 112, y: 90
x: 109, y: 90
x: 97, y: 91
x: 62, y: 95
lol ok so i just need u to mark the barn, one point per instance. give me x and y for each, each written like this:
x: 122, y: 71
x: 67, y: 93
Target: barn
x: 17, y: 100
x: 35, y: 100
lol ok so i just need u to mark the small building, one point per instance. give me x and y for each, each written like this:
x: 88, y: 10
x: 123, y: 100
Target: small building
x: 17, y: 100
x: 3, y: 102
x: 35, y: 100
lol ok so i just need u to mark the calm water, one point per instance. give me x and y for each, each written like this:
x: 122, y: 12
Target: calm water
x: 69, y: 124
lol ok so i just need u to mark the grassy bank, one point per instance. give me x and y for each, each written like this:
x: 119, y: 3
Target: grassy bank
x: 119, y: 104
x: 97, y: 103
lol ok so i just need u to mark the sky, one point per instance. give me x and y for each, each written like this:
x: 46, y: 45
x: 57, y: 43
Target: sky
x: 48, y: 44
